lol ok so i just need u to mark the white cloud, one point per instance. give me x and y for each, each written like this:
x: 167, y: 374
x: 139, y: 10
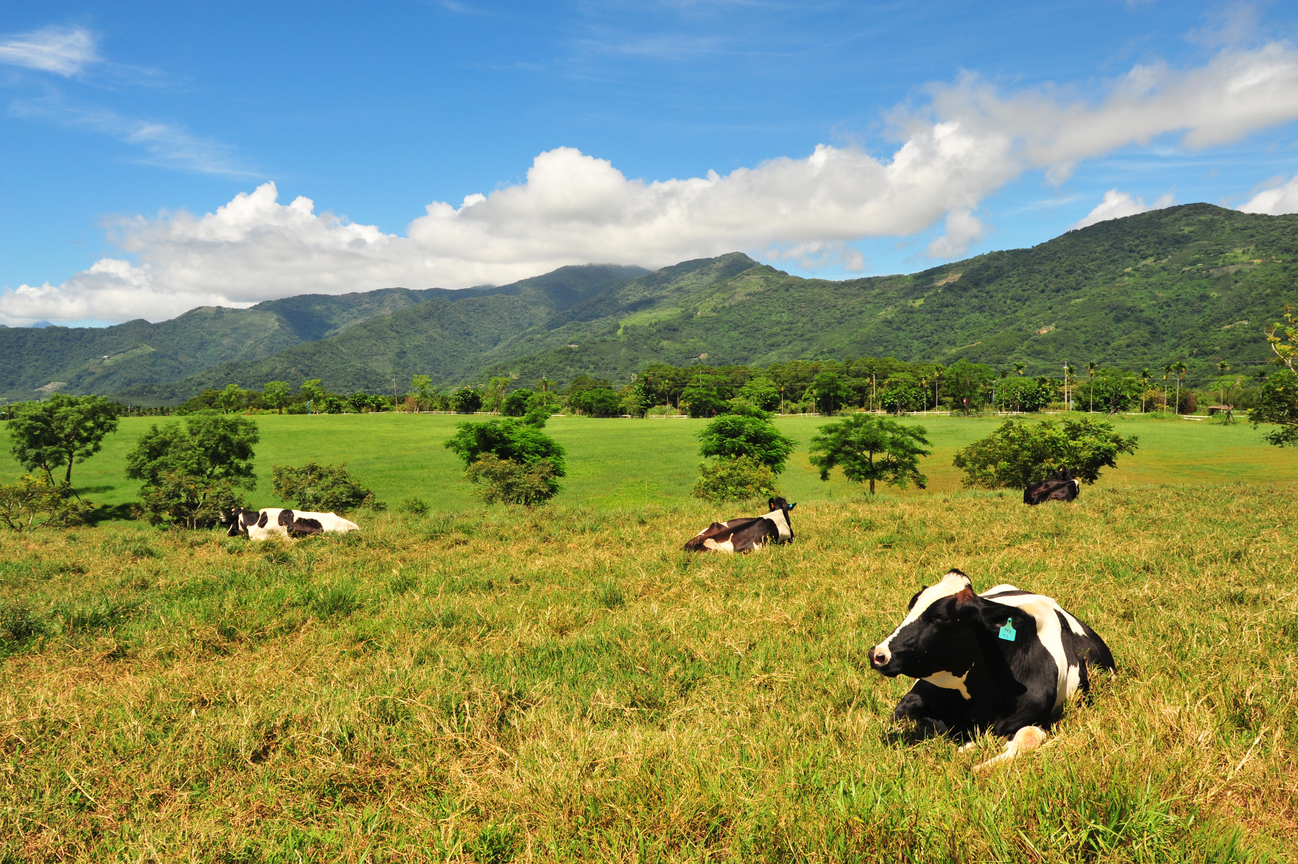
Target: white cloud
x: 1117, y: 204
x: 574, y: 208
x: 1276, y: 200
x: 63, y: 51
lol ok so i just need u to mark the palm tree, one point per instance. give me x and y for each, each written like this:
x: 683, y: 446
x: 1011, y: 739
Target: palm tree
x: 1090, y: 386
x: 1144, y: 381
x: 1167, y: 370
x: 1019, y: 367
x: 1068, y: 371
x: 1223, y: 367
x: 1179, y: 368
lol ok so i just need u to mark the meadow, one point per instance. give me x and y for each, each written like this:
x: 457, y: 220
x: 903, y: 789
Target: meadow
x: 565, y: 684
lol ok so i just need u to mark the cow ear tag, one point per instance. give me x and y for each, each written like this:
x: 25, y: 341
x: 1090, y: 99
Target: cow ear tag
x: 1007, y: 632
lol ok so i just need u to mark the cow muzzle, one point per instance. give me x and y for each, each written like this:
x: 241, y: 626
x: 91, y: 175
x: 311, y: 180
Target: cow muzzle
x: 879, y: 657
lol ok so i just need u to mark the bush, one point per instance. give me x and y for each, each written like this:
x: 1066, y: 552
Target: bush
x: 746, y: 432
x: 507, y: 482
x: 1019, y: 453
x: 735, y: 479
x: 29, y: 499
x: 466, y: 400
x: 417, y: 506
x: 597, y: 402
x: 322, y: 488
x: 192, y: 475
x: 1278, y: 403
x: 515, y: 402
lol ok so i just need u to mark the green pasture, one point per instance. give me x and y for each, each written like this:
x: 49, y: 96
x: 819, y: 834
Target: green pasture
x: 619, y: 463
x: 567, y: 685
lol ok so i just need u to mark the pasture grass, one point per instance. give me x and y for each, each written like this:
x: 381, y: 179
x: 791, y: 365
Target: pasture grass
x: 619, y: 463
x: 567, y: 685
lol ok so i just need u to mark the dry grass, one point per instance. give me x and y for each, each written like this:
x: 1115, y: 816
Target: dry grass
x: 567, y: 685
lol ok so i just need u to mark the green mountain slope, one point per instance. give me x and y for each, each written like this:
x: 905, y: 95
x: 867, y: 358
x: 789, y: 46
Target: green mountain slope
x: 116, y: 359
x: 1195, y: 282
x: 446, y: 336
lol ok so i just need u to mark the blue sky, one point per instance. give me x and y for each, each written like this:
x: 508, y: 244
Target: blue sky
x: 137, y: 141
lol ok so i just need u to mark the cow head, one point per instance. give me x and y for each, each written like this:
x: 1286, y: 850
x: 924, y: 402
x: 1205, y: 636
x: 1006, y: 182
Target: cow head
x: 238, y: 520
x: 778, y: 503
x: 943, y: 628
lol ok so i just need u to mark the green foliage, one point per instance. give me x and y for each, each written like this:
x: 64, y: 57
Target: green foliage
x: 1278, y: 403
x: 515, y: 403
x: 706, y: 395
x: 508, y: 482
x: 737, y: 478
x: 597, y: 402
x: 417, y: 506
x: 1024, y: 394
x: 507, y: 439
x: 750, y: 435
x: 761, y: 392
x: 191, y: 475
x: 321, y: 488
x: 466, y: 400
x: 831, y: 393
x: 59, y: 431
x: 423, y: 390
x: 901, y: 393
x: 314, y: 391
x: 1018, y: 453
x: 277, y: 394
x: 968, y: 385
x: 231, y: 398
x: 870, y: 448
x: 29, y: 499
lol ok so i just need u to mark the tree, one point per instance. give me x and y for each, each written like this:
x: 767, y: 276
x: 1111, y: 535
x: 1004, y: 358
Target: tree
x: 762, y: 393
x: 59, y: 431
x: 1283, y: 339
x: 322, y: 488
x: 512, y: 441
x: 314, y: 392
x: 871, y: 448
x: 1179, y: 368
x: 1167, y: 370
x: 276, y: 394
x: 495, y: 392
x: 597, y: 402
x: 515, y: 403
x: 748, y: 433
x: 424, y: 391
x: 191, y: 475
x: 706, y: 395
x: 231, y: 398
x: 466, y: 400
x: 831, y: 392
x: 1018, y: 453
x: 507, y: 482
x: 1091, y: 366
x: 1144, y: 387
x: 1278, y: 396
x: 901, y: 393
x: 968, y: 384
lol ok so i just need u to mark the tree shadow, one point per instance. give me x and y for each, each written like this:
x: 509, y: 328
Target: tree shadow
x: 112, y: 513
x: 94, y: 490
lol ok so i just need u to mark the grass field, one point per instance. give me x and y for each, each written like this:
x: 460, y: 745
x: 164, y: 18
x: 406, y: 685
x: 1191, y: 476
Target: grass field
x: 492, y: 684
x: 630, y: 463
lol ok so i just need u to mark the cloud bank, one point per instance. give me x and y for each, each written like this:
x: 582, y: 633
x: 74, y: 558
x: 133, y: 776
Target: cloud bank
x: 63, y: 51
x: 1277, y: 200
x: 575, y: 208
x: 1116, y: 205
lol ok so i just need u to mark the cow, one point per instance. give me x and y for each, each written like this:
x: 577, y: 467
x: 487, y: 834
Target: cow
x: 1005, y: 659
x: 1060, y: 486
x: 745, y: 535
x: 280, y: 522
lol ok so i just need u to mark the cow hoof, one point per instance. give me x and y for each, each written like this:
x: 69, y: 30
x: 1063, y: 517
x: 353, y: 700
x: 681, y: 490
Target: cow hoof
x: 1027, y: 738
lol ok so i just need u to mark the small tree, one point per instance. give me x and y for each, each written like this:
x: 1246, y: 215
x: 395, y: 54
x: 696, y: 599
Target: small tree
x: 1278, y: 396
x: 1018, y: 453
x: 506, y: 482
x: 314, y: 391
x: 466, y: 400
x: 276, y: 394
x: 831, y: 393
x: 192, y: 475
x: 741, y: 478
x: 30, y: 498
x: 870, y: 448
x: 513, y: 441
x: 747, y: 432
x: 761, y: 392
x: 423, y: 390
x: 322, y: 488
x: 59, y: 431
x: 231, y: 398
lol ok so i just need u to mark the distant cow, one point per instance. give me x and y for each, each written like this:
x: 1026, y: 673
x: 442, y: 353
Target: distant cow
x: 745, y: 535
x: 1005, y: 658
x: 1060, y: 486
x: 280, y: 522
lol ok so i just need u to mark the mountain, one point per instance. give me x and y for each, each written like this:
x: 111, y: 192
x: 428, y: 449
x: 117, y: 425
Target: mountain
x: 1194, y: 282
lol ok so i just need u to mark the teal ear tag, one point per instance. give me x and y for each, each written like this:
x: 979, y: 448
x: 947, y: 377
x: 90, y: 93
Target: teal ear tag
x: 1007, y: 632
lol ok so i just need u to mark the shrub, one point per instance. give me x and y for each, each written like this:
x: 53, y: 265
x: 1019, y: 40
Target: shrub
x: 735, y: 479
x: 1018, y: 453
x: 747, y: 432
x: 466, y: 400
x: 322, y: 488
x: 1278, y: 403
x: 515, y: 402
x: 417, y: 506
x: 192, y: 475
x: 508, y: 482
x: 29, y: 499
x: 597, y: 402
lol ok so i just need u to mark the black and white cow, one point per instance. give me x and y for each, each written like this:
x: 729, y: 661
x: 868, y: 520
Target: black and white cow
x: 745, y: 535
x: 1005, y: 659
x: 1060, y: 486
x: 280, y: 522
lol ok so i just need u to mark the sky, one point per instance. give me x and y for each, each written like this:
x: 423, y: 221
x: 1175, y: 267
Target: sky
x: 157, y: 157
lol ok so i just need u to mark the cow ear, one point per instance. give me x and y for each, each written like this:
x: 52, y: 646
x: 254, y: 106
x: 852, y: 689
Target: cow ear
x: 770, y: 503
x: 1006, y: 622
x: 791, y: 506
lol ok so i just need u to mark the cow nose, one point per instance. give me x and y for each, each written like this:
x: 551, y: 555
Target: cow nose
x: 878, y: 657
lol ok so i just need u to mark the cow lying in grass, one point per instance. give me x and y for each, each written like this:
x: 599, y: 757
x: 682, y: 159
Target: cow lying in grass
x: 1060, y: 486
x: 1004, y: 659
x: 280, y: 522
x: 745, y: 535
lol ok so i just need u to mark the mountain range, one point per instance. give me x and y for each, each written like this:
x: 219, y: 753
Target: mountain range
x: 1194, y: 282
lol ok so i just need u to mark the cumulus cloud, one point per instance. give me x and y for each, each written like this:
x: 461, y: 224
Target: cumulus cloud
x: 576, y: 208
x: 63, y: 51
x: 1276, y: 200
x: 1117, y: 204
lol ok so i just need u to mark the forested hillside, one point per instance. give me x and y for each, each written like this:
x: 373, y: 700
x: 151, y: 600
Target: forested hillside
x: 1196, y: 283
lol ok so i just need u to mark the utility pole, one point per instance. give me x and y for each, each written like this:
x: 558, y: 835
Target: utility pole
x: 394, y: 394
x: 873, y: 386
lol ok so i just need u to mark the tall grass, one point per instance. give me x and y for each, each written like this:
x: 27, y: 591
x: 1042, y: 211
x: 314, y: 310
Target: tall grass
x: 566, y: 684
